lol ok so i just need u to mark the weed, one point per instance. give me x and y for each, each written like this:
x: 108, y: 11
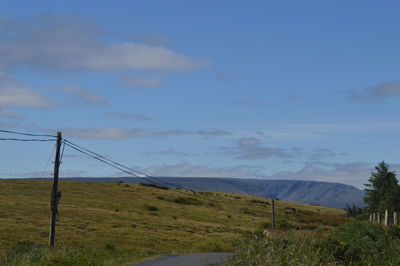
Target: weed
x: 150, y: 208
x: 187, y: 200
x: 154, y: 186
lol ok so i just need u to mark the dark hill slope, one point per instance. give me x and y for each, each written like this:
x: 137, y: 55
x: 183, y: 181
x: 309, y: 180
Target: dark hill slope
x: 322, y: 193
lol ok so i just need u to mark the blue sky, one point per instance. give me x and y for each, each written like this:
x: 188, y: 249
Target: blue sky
x: 266, y: 89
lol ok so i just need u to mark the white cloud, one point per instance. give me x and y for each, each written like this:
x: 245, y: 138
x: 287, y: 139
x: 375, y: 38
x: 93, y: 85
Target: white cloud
x: 117, y: 133
x: 252, y: 149
x: 138, y: 117
x: 15, y: 94
x: 377, y: 93
x: 356, y: 174
x: 76, y: 43
x: 189, y: 170
x: 131, y: 81
x: 120, y: 133
x: 84, y: 95
x: 6, y: 113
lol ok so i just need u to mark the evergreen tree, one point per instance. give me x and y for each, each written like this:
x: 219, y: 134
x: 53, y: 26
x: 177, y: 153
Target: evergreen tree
x: 383, y: 191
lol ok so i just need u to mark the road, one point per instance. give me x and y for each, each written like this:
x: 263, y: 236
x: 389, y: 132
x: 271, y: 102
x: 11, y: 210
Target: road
x: 195, y: 259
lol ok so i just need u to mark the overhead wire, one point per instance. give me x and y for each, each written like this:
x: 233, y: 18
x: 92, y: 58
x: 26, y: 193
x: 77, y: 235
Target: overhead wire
x: 125, y: 167
x: 89, y: 153
x: 48, y: 161
x: 108, y: 163
x: 15, y: 139
x: 121, y: 167
x: 26, y: 134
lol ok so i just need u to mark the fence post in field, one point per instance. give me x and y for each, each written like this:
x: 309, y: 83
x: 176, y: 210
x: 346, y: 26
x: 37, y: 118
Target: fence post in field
x: 395, y: 218
x: 273, y: 214
x: 385, y: 222
x: 55, y: 194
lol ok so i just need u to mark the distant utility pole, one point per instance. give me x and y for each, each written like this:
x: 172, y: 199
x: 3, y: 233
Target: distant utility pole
x: 55, y: 195
x: 273, y: 214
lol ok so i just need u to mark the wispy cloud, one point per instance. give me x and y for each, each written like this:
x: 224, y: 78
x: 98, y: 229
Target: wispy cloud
x: 186, y: 169
x: 377, y: 93
x: 6, y: 113
x: 15, y: 94
x: 118, y: 133
x: 138, y: 117
x: 136, y: 82
x: 170, y: 151
x: 253, y: 149
x: 73, y: 43
x: 121, y: 133
x: 356, y: 174
x: 213, y: 132
x: 83, y: 95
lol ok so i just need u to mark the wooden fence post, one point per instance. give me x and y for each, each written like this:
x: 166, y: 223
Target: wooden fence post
x: 370, y: 218
x: 395, y: 218
x: 378, y: 219
x: 385, y: 222
x: 273, y: 214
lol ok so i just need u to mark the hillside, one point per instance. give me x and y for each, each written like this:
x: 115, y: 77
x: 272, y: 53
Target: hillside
x: 333, y: 195
x: 142, y: 220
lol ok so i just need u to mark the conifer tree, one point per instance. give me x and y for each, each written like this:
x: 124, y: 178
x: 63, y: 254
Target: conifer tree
x: 383, y: 191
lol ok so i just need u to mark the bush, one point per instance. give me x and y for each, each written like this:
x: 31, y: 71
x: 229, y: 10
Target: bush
x: 150, y: 208
x: 153, y: 186
x: 353, y: 244
x: 187, y: 200
x: 359, y: 243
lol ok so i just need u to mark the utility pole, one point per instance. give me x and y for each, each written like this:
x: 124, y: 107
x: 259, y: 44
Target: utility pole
x: 55, y: 195
x: 273, y: 214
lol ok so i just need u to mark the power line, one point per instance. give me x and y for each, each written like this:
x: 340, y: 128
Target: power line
x: 108, y: 163
x: 48, y: 161
x: 123, y: 166
x: 127, y: 170
x: 14, y: 139
x: 26, y: 134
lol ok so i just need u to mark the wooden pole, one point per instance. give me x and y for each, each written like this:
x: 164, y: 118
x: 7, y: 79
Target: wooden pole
x: 395, y: 218
x: 378, y: 219
x: 370, y: 218
x: 273, y: 214
x: 54, y: 193
x: 347, y: 213
x: 385, y: 222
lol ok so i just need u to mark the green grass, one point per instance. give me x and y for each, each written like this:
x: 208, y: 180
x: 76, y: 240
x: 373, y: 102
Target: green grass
x: 358, y: 243
x: 139, y: 221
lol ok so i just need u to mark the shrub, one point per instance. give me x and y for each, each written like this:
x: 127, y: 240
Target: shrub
x: 187, y: 200
x: 359, y: 242
x: 153, y: 186
x: 150, y: 208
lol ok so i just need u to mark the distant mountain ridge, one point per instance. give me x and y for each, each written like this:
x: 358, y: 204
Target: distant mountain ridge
x: 334, y: 195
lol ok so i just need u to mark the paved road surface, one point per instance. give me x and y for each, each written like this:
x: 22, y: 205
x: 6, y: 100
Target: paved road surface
x: 195, y: 259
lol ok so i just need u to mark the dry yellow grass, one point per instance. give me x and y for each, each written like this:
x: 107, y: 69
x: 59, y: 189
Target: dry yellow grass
x: 143, y: 218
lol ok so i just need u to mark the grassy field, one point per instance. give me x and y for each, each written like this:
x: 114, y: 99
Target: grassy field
x: 141, y: 221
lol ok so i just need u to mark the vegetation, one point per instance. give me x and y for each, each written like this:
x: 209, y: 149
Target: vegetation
x: 355, y: 244
x: 119, y: 223
x: 383, y: 190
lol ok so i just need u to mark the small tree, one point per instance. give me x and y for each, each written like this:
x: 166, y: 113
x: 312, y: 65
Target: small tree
x: 383, y: 191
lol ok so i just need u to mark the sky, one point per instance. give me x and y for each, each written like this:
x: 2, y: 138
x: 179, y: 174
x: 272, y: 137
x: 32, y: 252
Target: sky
x: 247, y: 89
